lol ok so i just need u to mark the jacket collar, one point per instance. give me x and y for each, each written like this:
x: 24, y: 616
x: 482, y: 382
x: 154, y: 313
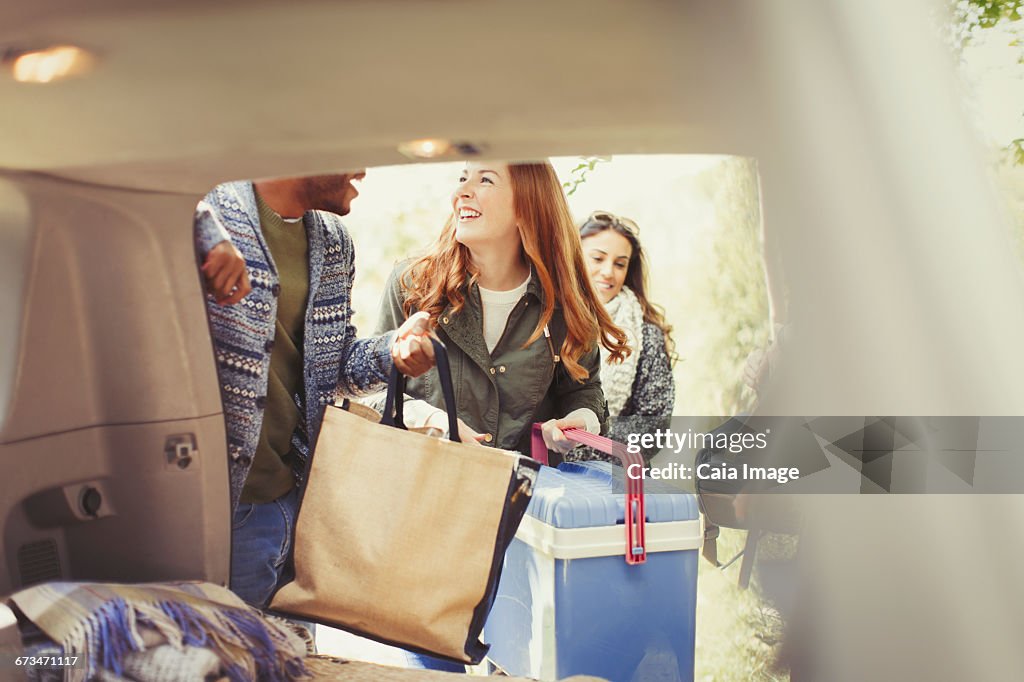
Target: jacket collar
x: 464, y: 327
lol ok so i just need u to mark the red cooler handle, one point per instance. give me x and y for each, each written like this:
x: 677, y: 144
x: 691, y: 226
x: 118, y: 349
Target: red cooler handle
x: 636, y: 548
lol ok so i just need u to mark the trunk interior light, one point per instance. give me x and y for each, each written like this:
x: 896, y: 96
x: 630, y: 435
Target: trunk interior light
x: 425, y: 149
x: 48, y: 64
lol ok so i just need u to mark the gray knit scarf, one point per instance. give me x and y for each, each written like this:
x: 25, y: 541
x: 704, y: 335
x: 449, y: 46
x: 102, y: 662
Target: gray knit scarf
x: 617, y: 380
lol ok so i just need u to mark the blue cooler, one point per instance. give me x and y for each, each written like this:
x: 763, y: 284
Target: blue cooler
x: 569, y: 604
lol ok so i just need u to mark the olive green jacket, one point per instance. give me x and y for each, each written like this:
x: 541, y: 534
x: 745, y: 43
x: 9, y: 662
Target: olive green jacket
x: 502, y: 393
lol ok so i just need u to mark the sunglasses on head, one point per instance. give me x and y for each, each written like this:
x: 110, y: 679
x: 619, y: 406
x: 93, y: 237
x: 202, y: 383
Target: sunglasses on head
x: 606, y: 219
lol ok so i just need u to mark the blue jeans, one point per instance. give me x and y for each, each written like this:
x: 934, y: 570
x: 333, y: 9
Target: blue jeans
x: 261, y: 538
x: 430, y: 663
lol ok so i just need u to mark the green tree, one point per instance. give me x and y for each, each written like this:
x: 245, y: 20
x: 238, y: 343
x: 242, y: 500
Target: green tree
x: 725, y: 300
x: 971, y: 17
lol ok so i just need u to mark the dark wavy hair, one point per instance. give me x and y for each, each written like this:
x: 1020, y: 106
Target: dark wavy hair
x: 636, y: 272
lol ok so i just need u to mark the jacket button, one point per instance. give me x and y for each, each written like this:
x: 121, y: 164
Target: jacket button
x: 275, y: 290
x: 493, y: 370
x: 444, y: 320
x: 261, y: 402
x: 488, y: 438
x: 502, y: 369
x: 268, y: 345
x: 245, y: 460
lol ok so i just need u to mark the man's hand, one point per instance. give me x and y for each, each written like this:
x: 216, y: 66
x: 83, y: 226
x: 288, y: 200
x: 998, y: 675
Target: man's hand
x: 227, y: 278
x: 412, y: 352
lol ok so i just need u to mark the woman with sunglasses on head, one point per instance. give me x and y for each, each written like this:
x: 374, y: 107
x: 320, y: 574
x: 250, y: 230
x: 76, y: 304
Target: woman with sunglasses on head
x: 506, y: 286
x: 640, y: 390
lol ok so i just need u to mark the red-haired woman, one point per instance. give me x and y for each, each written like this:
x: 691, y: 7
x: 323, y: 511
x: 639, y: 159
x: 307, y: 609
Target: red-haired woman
x: 508, y: 290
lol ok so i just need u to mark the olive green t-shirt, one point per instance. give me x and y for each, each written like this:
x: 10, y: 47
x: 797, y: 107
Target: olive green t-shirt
x: 271, y: 474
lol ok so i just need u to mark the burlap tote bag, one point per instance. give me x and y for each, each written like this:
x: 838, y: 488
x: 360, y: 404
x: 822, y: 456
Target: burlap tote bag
x: 400, y: 537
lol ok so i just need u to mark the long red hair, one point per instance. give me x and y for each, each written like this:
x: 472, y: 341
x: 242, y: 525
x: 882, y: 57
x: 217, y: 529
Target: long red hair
x: 551, y: 243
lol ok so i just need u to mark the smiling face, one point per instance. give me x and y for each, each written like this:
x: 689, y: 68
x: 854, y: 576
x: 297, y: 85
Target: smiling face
x: 483, y: 207
x: 607, y: 253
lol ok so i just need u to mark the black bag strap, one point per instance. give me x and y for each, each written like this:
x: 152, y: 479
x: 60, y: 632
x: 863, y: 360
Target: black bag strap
x: 393, y: 404
x: 709, y: 550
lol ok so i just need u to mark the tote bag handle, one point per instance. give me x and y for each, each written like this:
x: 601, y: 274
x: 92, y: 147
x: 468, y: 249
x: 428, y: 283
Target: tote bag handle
x: 393, y: 404
x: 636, y: 509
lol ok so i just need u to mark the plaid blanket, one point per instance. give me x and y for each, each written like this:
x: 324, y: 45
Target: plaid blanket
x: 108, y: 624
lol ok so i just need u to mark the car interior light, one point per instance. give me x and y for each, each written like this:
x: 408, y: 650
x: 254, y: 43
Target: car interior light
x: 48, y: 64
x: 430, y: 148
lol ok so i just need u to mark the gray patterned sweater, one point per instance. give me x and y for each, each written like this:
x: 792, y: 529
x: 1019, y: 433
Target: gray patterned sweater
x: 335, y: 361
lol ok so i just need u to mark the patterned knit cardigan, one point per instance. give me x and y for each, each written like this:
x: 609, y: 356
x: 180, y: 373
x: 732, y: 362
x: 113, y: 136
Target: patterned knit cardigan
x: 243, y: 334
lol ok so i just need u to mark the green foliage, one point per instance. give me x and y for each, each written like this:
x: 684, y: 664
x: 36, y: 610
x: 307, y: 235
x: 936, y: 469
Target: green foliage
x: 725, y: 303
x: 964, y: 18
x: 975, y: 14
x: 968, y: 17
x: 1016, y: 149
x: 739, y: 635
x: 579, y: 173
